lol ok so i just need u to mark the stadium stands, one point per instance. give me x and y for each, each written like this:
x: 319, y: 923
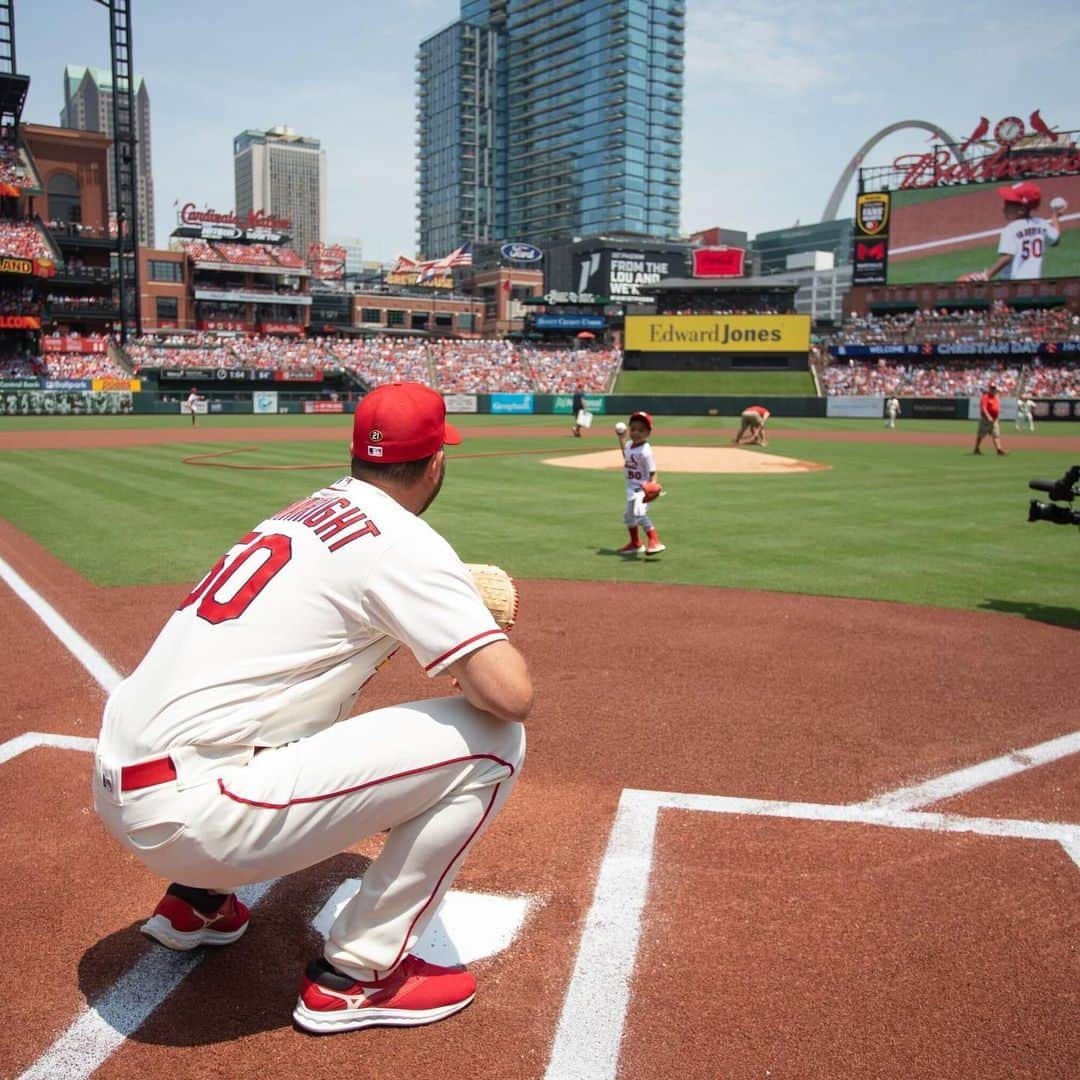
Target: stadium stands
x: 1037, y: 338
x: 450, y: 366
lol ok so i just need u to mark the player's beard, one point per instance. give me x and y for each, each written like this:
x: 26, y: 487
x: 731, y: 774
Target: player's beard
x: 438, y: 486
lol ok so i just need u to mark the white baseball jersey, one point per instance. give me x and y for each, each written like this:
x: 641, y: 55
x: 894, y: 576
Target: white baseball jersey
x: 1026, y: 240
x: 640, y: 464
x: 1024, y: 406
x: 276, y: 640
x: 892, y: 406
x: 192, y: 398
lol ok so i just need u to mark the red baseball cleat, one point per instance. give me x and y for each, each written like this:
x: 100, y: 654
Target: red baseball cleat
x: 414, y: 993
x: 631, y: 549
x: 176, y: 924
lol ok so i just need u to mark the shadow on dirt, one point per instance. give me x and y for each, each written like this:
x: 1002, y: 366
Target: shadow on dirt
x: 219, y: 994
x: 1067, y: 617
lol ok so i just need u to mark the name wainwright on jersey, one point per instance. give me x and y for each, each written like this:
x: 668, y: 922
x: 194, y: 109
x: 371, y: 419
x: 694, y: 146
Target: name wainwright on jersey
x: 329, y: 516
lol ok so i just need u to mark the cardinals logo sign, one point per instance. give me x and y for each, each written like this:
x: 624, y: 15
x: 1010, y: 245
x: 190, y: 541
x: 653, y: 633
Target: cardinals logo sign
x: 872, y: 213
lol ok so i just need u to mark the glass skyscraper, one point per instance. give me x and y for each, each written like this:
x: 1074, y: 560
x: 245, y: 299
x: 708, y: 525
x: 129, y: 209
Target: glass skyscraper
x: 542, y: 120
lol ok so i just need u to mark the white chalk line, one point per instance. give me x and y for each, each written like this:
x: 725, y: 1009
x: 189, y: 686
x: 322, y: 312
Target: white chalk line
x: 589, y: 1034
x: 124, y: 1007
x: 106, y: 676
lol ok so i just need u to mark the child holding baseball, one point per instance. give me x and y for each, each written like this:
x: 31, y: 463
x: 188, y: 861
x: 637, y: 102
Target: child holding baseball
x: 640, y: 467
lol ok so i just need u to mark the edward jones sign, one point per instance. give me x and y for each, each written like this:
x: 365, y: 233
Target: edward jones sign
x: 717, y: 333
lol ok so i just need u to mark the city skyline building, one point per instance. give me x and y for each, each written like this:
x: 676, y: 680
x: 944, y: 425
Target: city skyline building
x: 282, y: 174
x: 88, y: 106
x: 539, y: 120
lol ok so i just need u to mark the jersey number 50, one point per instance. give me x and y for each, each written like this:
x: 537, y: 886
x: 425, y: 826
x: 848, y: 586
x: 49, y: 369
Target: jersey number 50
x: 206, y: 593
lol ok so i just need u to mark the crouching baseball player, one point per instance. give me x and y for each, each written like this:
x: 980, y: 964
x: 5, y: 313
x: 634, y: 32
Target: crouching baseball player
x: 230, y: 754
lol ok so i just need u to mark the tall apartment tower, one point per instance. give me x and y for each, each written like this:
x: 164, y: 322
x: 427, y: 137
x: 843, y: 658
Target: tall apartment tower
x: 88, y: 106
x: 283, y: 174
x: 542, y: 120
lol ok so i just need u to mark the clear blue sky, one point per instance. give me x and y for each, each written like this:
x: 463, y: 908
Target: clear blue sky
x: 779, y: 93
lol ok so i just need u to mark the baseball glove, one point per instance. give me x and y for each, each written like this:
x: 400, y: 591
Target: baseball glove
x: 975, y: 275
x: 651, y: 490
x: 498, y: 591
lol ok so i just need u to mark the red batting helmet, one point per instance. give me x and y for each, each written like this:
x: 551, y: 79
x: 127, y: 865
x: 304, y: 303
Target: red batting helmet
x: 644, y: 417
x: 1023, y: 192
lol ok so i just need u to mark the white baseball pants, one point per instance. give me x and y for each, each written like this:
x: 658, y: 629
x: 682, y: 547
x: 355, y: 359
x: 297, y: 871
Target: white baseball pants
x: 434, y: 773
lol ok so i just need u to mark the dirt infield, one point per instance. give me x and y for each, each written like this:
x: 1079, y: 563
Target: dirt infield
x: 786, y: 924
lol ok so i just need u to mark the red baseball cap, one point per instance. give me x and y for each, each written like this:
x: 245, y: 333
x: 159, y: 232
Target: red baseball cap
x: 642, y: 416
x: 1024, y: 192
x: 402, y: 421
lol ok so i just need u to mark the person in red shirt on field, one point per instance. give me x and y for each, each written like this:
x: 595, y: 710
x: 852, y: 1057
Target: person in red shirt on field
x: 752, y: 425
x: 989, y: 412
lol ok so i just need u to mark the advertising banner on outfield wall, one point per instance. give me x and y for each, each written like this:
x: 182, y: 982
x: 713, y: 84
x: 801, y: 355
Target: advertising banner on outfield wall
x: 461, y: 403
x: 563, y: 403
x: 512, y: 403
x: 853, y: 405
x: 63, y: 403
x: 264, y: 401
x: 717, y: 333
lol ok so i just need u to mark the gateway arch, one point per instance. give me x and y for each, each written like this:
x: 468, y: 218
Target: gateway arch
x: 833, y: 205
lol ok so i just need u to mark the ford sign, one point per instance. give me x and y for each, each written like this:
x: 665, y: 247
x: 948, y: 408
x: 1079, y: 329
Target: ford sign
x: 521, y: 252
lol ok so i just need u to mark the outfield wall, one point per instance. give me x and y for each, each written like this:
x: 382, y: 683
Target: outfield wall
x: 25, y: 402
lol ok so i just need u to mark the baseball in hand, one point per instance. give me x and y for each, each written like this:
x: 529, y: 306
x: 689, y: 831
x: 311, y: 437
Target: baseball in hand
x: 620, y: 428
x: 1058, y: 203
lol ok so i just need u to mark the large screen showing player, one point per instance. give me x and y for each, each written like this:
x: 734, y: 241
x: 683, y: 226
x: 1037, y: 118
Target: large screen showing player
x: 964, y: 232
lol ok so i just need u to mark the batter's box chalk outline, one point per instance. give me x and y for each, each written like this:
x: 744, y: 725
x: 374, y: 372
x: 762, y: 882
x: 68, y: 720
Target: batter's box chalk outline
x: 586, y: 1045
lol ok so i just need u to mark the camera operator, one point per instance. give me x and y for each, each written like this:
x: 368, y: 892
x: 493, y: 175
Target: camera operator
x: 1061, y: 490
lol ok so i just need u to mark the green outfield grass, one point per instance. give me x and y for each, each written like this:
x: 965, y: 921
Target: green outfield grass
x: 898, y: 522
x: 764, y: 383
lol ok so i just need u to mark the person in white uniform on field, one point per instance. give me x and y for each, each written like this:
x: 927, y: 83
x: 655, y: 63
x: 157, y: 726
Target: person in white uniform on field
x: 191, y: 404
x: 892, y: 411
x: 1025, y: 413
x: 230, y: 754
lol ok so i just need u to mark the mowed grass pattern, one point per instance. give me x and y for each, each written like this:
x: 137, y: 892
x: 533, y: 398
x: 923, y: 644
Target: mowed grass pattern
x: 886, y: 521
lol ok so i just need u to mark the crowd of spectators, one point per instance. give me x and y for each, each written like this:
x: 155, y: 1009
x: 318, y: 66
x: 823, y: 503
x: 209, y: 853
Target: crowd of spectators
x: 707, y: 306
x: 449, y: 366
x: 23, y: 239
x: 955, y: 375
x: 254, y: 255
x: 24, y: 301
x: 913, y: 379
x: 13, y: 168
x: 22, y: 359
x: 930, y: 326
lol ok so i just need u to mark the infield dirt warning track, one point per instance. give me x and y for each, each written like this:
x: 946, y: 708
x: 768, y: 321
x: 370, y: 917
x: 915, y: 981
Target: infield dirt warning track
x: 785, y: 858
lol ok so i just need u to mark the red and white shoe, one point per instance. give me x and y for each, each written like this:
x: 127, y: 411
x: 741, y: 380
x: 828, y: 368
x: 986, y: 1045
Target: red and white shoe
x: 655, y: 547
x: 414, y: 993
x: 177, y: 925
x: 631, y: 549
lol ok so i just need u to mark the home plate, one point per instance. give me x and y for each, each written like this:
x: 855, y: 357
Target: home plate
x: 695, y: 459
x: 468, y: 926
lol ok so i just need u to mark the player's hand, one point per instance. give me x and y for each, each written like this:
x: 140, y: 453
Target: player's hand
x: 975, y: 275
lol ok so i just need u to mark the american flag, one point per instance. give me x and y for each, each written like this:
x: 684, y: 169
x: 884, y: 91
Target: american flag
x: 461, y: 257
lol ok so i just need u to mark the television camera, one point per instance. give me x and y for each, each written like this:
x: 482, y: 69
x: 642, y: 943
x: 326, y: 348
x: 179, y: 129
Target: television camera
x: 1062, y: 490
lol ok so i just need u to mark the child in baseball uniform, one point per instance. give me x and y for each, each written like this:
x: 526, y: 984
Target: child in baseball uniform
x: 640, y: 466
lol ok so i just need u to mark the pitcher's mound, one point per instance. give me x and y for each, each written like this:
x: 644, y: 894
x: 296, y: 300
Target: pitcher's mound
x: 695, y: 459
